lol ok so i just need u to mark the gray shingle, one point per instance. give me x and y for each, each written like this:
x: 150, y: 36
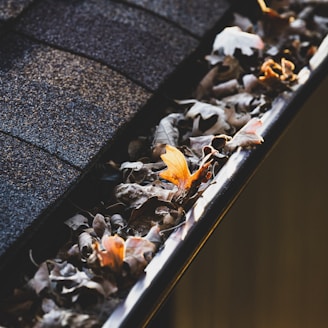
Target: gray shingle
x: 142, y: 46
x: 12, y: 8
x: 30, y: 181
x: 69, y: 105
x: 192, y: 15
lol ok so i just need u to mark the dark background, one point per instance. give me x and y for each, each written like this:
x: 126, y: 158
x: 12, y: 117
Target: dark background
x: 266, y: 264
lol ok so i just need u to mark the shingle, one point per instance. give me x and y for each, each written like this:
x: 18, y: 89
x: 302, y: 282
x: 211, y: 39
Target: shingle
x: 30, y: 181
x: 12, y: 8
x: 68, y: 105
x: 144, y: 47
x: 192, y: 15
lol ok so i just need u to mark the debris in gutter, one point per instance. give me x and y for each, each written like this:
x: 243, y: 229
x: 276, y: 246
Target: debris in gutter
x: 249, y: 67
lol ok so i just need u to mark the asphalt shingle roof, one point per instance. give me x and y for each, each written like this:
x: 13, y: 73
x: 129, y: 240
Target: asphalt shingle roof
x: 10, y: 9
x: 31, y: 180
x: 193, y: 15
x: 140, y: 45
x: 72, y: 75
x: 65, y: 104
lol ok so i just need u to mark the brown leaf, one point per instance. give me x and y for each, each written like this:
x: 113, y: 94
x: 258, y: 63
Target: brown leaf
x: 100, y: 226
x: 134, y: 195
x: 228, y: 68
x: 274, y: 25
x: 85, y: 243
x: 226, y: 88
x: 208, y: 119
x: 167, y: 131
x: 246, y: 136
x: 138, y: 253
x: 143, y: 217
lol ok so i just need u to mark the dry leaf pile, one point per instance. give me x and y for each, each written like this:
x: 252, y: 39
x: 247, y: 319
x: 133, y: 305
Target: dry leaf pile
x: 250, y: 65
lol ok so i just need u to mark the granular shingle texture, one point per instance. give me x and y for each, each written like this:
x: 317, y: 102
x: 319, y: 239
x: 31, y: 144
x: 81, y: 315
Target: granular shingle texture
x: 142, y: 46
x: 68, y: 105
x: 31, y: 180
x: 191, y: 15
x: 12, y: 8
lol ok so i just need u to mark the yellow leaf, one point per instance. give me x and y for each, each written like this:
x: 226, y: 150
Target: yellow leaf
x: 177, y: 170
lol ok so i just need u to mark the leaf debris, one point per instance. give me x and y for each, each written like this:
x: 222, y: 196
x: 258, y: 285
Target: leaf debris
x: 249, y: 66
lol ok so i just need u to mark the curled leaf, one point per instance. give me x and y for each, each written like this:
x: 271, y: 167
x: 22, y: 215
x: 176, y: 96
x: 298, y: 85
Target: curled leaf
x: 167, y: 131
x: 177, y: 170
x: 85, y: 244
x: 100, y: 226
x: 246, y: 136
x: 112, y: 253
x: 226, y: 88
x: 277, y: 76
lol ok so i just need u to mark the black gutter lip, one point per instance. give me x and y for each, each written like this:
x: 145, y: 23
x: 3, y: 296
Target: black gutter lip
x: 169, y: 264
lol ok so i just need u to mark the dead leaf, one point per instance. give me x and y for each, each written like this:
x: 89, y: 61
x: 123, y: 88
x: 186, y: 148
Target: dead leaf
x: 138, y: 253
x: 134, y: 195
x: 236, y: 119
x: 67, y: 318
x: 273, y: 26
x: 100, y: 226
x: 41, y: 280
x: 77, y: 221
x: 277, y: 76
x: 226, y: 68
x: 154, y: 235
x: 287, y: 70
x: 226, y: 88
x: 246, y: 136
x: 177, y: 170
x: 117, y: 221
x: 139, y: 172
x: 85, y: 243
x: 143, y: 217
x: 207, y: 119
x: 232, y: 38
x: 111, y: 252
x: 167, y: 131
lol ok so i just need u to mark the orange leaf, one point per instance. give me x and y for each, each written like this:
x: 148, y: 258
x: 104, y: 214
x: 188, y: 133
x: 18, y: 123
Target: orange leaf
x: 113, y: 253
x: 177, y: 170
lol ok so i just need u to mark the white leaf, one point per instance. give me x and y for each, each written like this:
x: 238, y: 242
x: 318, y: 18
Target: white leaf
x: 206, y: 111
x: 233, y: 37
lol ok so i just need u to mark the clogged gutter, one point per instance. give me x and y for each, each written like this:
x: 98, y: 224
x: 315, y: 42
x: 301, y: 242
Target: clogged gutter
x: 250, y: 67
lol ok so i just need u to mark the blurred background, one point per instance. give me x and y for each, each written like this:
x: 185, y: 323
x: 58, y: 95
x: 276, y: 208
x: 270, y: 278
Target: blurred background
x: 266, y: 265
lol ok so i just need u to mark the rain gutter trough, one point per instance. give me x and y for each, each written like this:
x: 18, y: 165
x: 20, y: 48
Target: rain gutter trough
x: 164, y: 271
